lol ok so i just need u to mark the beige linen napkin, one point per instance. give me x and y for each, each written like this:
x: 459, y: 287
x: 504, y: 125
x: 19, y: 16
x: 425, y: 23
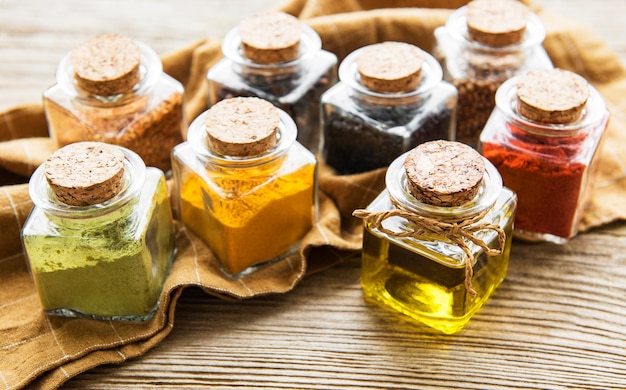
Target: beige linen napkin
x: 45, y: 351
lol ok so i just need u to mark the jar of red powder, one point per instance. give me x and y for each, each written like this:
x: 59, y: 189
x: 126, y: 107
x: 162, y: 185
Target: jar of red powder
x: 543, y: 136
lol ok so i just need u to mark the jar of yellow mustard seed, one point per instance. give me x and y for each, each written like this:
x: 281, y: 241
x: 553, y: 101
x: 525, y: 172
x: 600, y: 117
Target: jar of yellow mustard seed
x: 437, y: 240
x: 276, y: 57
x: 482, y: 45
x: 112, y: 89
x: 244, y: 185
x: 100, y: 238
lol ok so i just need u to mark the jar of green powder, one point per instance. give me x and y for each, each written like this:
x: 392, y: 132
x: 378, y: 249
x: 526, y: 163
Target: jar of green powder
x: 100, y: 238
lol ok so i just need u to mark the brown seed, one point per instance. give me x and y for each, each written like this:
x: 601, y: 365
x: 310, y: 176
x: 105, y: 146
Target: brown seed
x: 552, y: 96
x: 496, y: 22
x: 106, y: 65
x: 85, y: 173
x: 444, y: 173
x: 242, y: 126
x: 390, y: 67
x: 270, y: 38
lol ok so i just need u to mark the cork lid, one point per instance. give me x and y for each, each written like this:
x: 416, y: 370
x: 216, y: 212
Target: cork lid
x: 270, y: 38
x: 444, y: 173
x: 390, y: 67
x: 85, y: 173
x: 106, y: 65
x: 552, y: 96
x: 242, y: 126
x: 496, y: 22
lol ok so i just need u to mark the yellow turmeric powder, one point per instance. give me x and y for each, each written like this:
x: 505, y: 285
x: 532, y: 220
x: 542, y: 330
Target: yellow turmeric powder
x: 247, y: 218
x: 244, y: 184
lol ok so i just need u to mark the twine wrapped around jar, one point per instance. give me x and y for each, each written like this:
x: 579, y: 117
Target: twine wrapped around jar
x: 454, y: 229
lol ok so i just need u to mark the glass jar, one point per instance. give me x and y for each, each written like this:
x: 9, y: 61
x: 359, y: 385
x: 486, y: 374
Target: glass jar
x: 549, y: 165
x: 127, y: 100
x: 249, y: 209
x: 423, y: 272
x: 476, y: 69
x: 294, y: 84
x: 365, y: 129
x: 107, y: 260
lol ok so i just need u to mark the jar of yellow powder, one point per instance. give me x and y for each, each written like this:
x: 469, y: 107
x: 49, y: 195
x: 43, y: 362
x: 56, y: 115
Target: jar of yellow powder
x: 244, y: 184
x: 100, y: 239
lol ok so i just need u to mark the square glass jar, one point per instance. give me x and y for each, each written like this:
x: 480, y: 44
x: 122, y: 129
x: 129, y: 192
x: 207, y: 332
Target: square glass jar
x: 424, y: 277
x: 365, y: 130
x: 148, y: 118
x: 294, y: 86
x: 107, y: 261
x: 249, y: 211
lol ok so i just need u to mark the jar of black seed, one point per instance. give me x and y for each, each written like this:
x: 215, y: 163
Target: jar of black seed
x: 482, y: 45
x: 390, y: 98
x: 276, y: 57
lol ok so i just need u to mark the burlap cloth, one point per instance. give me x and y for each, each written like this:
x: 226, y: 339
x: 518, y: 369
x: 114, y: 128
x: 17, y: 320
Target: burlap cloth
x: 45, y: 352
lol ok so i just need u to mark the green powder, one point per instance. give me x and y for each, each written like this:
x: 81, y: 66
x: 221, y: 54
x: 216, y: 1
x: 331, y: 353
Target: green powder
x: 111, y: 267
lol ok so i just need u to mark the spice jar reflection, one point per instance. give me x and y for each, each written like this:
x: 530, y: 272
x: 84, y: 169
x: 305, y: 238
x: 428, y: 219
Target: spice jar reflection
x: 112, y: 89
x: 100, y: 239
x: 276, y: 57
x: 244, y: 185
x: 544, y: 136
x: 437, y: 240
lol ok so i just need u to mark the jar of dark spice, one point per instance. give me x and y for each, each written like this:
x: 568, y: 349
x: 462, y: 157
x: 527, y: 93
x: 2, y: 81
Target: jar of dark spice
x: 482, y: 45
x: 100, y: 239
x: 276, y: 57
x: 543, y: 137
x: 113, y: 89
x: 437, y: 240
x: 390, y: 98
x: 244, y: 185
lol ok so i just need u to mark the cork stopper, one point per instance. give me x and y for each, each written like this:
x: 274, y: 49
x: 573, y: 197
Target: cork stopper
x: 444, y: 173
x: 552, y: 96
x: 270, y: 38
x: 106, y: 65
x: 242, y: 126
x: 390, y: 67
x: 85, y: 173
x: 496, y: 23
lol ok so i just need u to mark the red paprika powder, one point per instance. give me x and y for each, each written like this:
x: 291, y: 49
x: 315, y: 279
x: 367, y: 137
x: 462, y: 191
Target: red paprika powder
x: 543, y: 136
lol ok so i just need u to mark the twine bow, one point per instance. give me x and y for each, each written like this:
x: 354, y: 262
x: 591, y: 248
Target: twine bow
x: 457, y: 230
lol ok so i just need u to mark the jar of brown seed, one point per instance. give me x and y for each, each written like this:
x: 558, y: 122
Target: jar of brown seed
x: 112, y: 89
x: 482, y: 45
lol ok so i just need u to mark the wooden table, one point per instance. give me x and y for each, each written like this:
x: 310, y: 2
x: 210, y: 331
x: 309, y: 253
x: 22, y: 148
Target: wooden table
x: 558, y: 320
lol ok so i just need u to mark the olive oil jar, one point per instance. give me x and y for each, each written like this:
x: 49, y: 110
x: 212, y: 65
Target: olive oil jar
x: 437, y: 240
x: 100, y: 238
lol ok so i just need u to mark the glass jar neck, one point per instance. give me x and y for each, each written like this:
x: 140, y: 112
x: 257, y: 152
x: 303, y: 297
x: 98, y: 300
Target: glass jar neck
x: 456, y: 27
x: 396, y: 183
x: 150, y: 68
x: 507, y: 103
x: 197, y: 139
x: 310, y: 44
x: 431, y: 76
x: 134, y: 178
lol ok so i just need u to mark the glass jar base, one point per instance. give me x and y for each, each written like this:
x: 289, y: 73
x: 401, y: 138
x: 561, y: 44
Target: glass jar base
x: 258, y: 266
x: 444, y: 325
x: 71, y: 313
